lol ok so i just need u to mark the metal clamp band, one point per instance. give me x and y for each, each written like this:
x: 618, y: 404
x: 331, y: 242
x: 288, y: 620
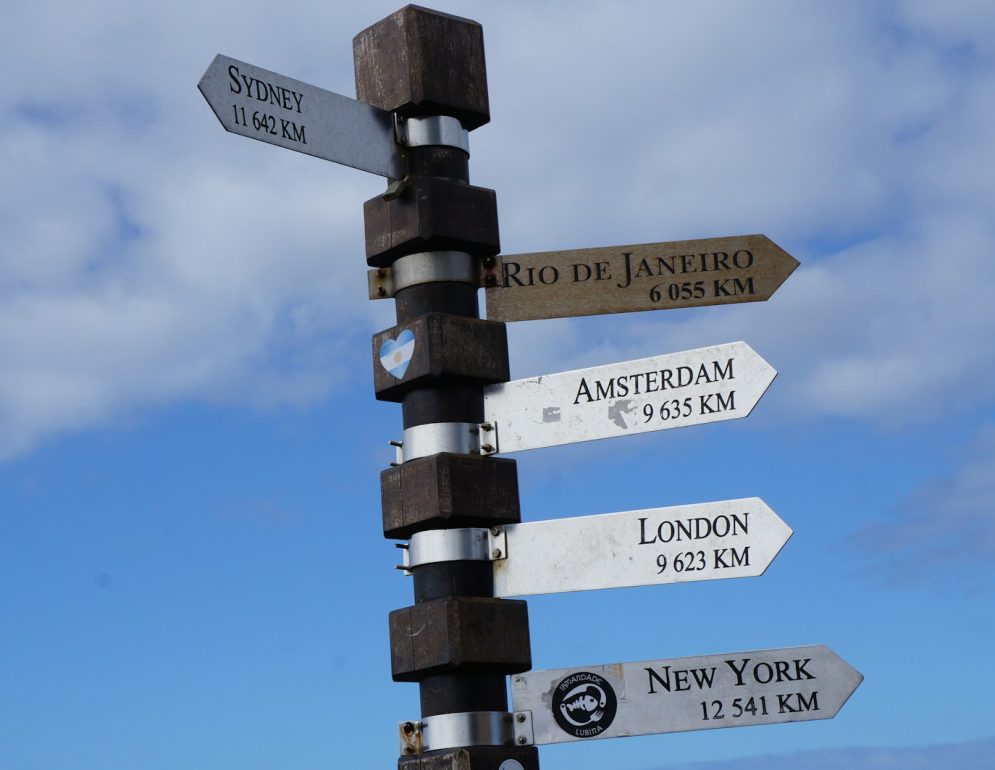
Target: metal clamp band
x: 426, y: 267
x: 470, y: 544
x: 452, y: 731
x: 432, y: 131
x: 426, y: 440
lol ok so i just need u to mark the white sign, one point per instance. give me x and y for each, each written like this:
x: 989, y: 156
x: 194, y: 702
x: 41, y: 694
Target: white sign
x: 664, y: 696
x: 273, y: 108
x: 690, y: 388
x: 711, y: 541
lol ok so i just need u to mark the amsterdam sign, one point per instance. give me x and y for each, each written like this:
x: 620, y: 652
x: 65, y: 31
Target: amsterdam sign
x: 648, y: 394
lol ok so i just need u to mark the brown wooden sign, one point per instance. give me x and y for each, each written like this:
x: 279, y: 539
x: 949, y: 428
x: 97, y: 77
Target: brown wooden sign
x: 625, y: 279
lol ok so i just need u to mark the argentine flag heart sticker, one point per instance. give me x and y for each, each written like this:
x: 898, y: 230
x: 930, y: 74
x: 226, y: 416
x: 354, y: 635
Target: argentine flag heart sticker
x: 395, y: 355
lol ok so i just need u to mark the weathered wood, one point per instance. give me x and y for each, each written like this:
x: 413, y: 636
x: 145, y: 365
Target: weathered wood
x: 448, y: 490
x: 444, y: 350
x: 459, y: 633
x: 472, y: 758
x: 456, y: 403
x: 416, y: 63
x: 440, y: 580
x: 649, y: 276
x: 463, y: 691
x: 431, y: 214
x: 422, y: 62
x: 441, y: 297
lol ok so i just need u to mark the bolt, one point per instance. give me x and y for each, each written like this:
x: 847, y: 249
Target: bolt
x: 496, y: 553
x: 486, y: 426
x: 521, y: 739
x: 520, y: 717
x: 408, y: 749
x: 488, y: 261
x: 496, y: 531
x: 487, y: 448
x: 408, y: 728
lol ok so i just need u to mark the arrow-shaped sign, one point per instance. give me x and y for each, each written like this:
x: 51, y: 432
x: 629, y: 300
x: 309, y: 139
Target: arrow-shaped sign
x: 665, y: 696
x: 273, y: 108
x: 684, y: 543
x: 670, y: 391
x: 649, y: 276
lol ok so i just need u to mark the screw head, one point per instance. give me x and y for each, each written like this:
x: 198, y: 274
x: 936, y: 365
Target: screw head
x: 521, y: 739
x: 496, y: 553
x: 520, y: 717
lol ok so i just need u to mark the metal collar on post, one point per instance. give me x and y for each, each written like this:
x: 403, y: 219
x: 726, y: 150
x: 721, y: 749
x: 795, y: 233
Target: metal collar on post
x: 470, y: 728
x: 428, y: 267
x: 432, y: 131
x: 435, y: 437
x: 432, y: 546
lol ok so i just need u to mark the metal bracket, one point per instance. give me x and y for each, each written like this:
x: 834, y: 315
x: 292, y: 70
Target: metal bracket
x: 469, y: 544
x: 488, y: 438
x: 524, y: 735
x: 431, y: 131
x: 435, y: 437
x: 453, y: 731
x: 431, y: 267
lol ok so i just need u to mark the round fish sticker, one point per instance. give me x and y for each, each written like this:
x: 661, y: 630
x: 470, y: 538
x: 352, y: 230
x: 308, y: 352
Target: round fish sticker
x: 584, y: 704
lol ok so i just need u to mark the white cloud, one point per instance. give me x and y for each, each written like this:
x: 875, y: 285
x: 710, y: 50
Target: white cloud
x: 148, y: 257
x: 948, y: 520
x: 970, y: 755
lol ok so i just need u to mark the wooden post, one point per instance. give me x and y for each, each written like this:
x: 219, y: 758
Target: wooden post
x: 419, y: 63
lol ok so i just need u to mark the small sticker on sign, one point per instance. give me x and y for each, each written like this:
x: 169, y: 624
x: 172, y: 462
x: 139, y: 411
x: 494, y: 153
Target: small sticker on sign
x: 584, y: 704
x: 395, y: 355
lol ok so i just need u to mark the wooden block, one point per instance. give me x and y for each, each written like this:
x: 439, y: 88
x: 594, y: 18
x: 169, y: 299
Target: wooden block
x: 459, y: 633
x: 438, y: 349
x: 449, y: 490
x: 431, y: 214
x: 421, y: 62
x: 472, y: 758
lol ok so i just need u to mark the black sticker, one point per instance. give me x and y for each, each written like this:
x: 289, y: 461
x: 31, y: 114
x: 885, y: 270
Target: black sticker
x: 584, y: 704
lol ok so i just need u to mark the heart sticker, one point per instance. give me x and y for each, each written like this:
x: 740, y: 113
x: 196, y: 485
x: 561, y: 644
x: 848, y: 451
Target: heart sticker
x: 395, y: 355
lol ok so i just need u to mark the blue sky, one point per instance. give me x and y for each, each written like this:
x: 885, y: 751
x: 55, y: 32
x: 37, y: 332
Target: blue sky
x: 193, y: 569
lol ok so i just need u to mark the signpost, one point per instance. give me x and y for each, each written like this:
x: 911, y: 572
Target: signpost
x: 421, y: 82
x: 665, y: 696
x: 624, y: 279
x: 649, y: 394
x: 710, y: 541
x: 273, y: 108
